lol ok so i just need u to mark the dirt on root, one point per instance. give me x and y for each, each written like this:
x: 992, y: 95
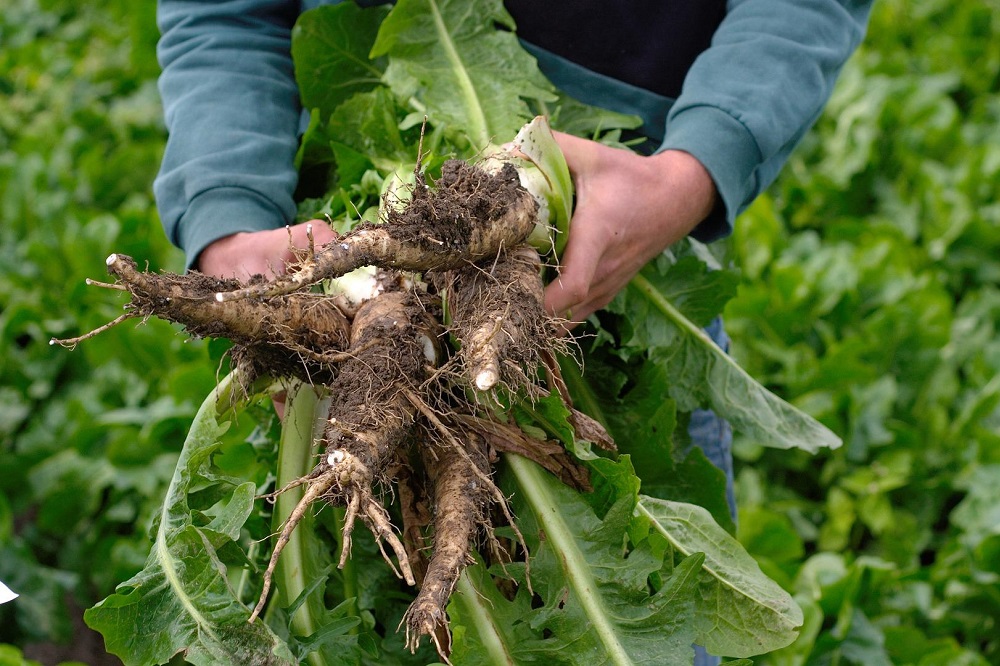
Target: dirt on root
x: 465, y: 201
x: 501, y: 307
x: 386, y: 358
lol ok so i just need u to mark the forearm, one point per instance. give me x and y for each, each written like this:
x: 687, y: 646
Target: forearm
x: 232, y: 112
x: 751, y: 97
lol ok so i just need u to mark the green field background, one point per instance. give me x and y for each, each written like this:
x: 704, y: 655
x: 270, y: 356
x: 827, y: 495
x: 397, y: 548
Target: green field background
x: 869, y: 298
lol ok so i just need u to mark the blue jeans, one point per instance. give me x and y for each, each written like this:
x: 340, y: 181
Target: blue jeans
x: 715, y: 437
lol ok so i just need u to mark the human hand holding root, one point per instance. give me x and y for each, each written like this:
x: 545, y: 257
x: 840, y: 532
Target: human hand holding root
x: 245, y: 254
x: 629, y: 208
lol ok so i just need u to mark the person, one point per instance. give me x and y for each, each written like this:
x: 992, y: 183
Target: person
x: 725, y: 91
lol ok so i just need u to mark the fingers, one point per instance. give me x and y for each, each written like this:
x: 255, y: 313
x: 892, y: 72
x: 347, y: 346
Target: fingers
x: 243, y: 255
x: 629, y: 208
x: 579, y: 153
x: 586, y: 280
x: 576, y: 273
x: 581, y: 255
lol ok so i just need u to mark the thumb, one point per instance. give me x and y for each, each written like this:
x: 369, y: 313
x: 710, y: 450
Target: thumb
x: 578, y: 152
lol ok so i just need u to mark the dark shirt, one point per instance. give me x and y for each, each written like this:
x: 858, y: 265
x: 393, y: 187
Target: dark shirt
x: 647, y: 43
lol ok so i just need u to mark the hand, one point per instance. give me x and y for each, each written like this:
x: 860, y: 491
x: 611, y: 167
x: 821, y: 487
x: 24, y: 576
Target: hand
x: 261, y: 252
x: 244, y: 254
x: 629, y: 208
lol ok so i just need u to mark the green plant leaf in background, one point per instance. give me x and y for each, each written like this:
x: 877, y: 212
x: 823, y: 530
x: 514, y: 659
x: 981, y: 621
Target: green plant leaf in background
x: 701, y: 373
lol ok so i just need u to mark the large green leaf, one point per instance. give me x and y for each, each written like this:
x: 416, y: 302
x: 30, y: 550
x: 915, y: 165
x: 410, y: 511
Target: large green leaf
x: 182, y: 600
x: 741, y: 612
x: 597, y: 606
x: 700, y: 372
x: 468, y: 76
x: 330, y: 46
x: 609, y: 604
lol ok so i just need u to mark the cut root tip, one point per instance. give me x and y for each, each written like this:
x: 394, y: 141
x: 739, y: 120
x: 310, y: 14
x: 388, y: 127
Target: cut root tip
x: 487, y: 379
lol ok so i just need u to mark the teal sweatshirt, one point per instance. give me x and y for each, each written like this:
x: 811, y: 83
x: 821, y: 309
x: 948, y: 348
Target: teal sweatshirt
x: 233, y: 113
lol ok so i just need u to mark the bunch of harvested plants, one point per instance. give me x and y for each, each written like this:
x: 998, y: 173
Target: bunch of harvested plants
x: 411, y: 389
x: 416, y: 353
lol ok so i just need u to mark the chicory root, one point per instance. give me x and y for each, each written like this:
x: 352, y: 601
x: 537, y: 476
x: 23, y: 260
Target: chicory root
x: 499, y: 319
x: 460, y: 500
x: 396, y: 342
x: 291, y: 335
x: 469, y: 216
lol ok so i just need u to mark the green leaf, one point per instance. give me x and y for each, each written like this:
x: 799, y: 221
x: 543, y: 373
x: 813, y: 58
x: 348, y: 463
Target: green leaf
x: 301, y: 563
x: 978, y: 514
x: 468, y: 76
x: 908, y: 645
x: 330, y: 46
x: 305, y: 563
x: 555, y: 191
x: 11, y: 655
x: 701, y: 373
x: 862, y: 644
x: 642, y: 422
x: 368, y: 123
x: 741, y: 612
x: 597, y: 602
x: 769, y: 534
x: 574, y: 117
x: 487, y: 628
x: 182, y: 600
x: 696, y: 481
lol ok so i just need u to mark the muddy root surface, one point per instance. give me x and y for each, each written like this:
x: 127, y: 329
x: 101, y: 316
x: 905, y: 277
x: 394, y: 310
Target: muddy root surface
x: 412, y: 434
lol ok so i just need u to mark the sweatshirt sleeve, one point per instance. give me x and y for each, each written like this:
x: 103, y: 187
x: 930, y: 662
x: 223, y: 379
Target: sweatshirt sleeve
x: 754, y: 93
x: 232, y: 112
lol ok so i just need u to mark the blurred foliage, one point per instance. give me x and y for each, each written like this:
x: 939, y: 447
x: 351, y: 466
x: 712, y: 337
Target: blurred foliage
x: 868, y: 297
x: 88, y: 438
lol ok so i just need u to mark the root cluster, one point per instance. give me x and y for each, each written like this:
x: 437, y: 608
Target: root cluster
x: 414, y: 372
